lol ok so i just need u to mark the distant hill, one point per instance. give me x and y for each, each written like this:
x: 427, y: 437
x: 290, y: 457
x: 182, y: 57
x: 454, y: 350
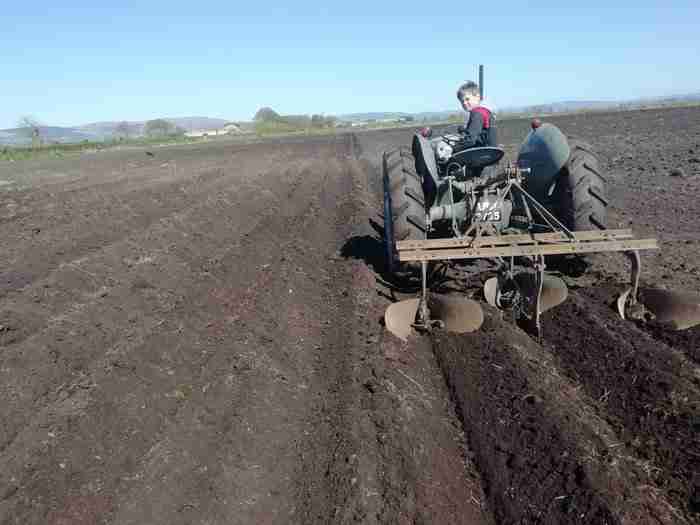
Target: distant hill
x: 373, y: 115
x: 108, y: 129
x: 693, y: 97
x: 98, y: 131
x: 18, y: 136
x: 195, y: 123
x: 549, y: 108
x: 601, y: 105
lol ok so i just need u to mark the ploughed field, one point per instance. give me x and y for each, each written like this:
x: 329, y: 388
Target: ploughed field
x: 193, y: 335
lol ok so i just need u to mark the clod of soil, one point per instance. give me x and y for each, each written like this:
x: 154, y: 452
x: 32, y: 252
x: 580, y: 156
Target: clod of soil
x: 677, y: 172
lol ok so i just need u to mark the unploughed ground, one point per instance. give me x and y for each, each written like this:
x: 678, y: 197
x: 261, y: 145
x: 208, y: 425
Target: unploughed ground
x: 192, y: 335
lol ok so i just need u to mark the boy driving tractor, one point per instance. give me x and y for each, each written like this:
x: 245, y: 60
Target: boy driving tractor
x: 480, y: 123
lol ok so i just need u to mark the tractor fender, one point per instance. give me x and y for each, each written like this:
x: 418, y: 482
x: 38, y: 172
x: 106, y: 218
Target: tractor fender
x: 545, y: 151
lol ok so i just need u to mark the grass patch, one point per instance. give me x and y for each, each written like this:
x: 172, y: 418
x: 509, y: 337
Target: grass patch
x: 15, y: 153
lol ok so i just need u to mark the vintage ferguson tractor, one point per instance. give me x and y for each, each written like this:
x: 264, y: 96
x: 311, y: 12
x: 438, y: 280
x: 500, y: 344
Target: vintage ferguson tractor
x: 446, y: 205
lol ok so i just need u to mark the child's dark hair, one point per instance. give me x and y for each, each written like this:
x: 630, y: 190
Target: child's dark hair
x: 468, y: 88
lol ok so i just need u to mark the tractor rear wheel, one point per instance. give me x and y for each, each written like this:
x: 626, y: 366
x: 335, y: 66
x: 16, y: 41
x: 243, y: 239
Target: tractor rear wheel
x: 581, y: 190
x: 404, y: 205
x: 579, y: 202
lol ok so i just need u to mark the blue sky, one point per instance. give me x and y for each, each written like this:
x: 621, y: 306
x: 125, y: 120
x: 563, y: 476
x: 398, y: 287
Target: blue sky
x: 69, y: 63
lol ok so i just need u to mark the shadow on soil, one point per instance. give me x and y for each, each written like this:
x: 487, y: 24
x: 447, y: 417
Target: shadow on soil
x: 370, y: 249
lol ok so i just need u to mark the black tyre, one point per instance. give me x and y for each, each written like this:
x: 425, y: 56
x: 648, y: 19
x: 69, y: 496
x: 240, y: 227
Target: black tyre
x: 581, y: 200
x: 404, y: 205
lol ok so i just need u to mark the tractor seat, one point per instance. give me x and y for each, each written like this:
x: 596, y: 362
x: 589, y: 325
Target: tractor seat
x: 478, y: 157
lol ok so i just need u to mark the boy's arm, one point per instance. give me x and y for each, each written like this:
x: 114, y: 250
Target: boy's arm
x: 471, y: 134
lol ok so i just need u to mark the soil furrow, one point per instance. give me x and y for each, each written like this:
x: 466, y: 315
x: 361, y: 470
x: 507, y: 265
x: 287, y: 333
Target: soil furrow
x: 71, y: 281
x: 649, y: 392
x: 94, y: 218
x: 544, y: 452
x: 137, y: 354
x: 370, y: 460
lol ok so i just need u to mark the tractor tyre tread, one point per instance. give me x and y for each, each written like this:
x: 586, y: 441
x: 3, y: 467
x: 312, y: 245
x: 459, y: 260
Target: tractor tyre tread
x: 583, y: 200
x: 404, y: 199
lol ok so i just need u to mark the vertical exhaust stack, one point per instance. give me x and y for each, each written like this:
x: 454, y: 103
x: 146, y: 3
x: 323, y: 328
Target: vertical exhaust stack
x: 481, y: 81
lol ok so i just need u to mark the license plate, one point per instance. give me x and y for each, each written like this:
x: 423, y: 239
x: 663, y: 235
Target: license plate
x: 489, y: 216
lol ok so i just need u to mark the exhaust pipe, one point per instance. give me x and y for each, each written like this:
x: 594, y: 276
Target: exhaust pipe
x: 481, y: 81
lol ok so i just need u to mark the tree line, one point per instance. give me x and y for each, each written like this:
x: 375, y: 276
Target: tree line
x: 30, y: 127
x: 267, y: 119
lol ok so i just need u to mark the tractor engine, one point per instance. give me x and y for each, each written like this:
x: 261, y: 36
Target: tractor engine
x: 484, y: 205
x: 461, y: 188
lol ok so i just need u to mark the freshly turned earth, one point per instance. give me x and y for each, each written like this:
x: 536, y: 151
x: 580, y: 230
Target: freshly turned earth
x: 194, y: 336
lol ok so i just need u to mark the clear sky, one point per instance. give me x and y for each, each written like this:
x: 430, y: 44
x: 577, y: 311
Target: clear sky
x: 68, y: 62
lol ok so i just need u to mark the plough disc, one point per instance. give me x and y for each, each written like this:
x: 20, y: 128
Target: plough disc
x: 554, y: 290
x: 453, y: 313
x: 674, y: 310
x: 400, y: 317
x: 457, y: 314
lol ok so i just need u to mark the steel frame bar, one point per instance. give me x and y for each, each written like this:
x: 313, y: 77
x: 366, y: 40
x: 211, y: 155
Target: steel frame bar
x: 507, y: 240
x: 522, y: 246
